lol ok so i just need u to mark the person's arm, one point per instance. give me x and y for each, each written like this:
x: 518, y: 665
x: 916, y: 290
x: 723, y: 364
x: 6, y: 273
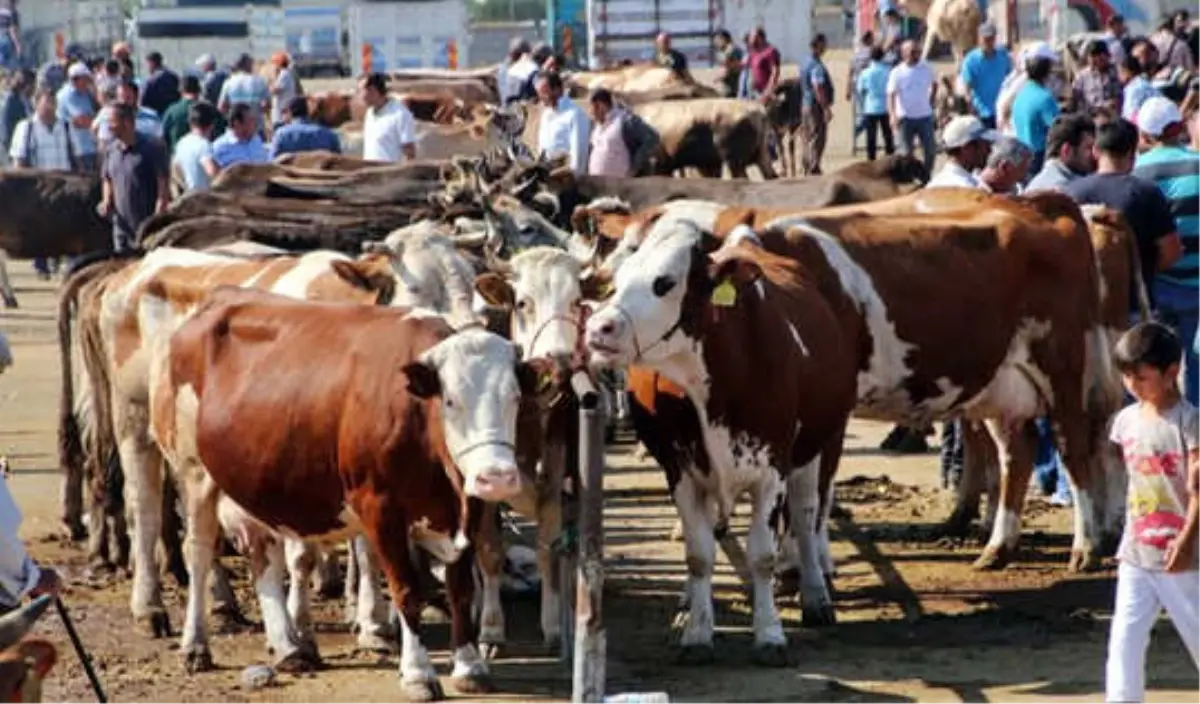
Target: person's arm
x: 1162, y: 223
x: 19, y: 574
x: 893, y: 97
x: 104, y: 208
x: 968, y: 77
x: 773, y: 81
x: 851, y: 81
x: 933, y: 86
x: 20, y: 141
x: 1181, y: 552
x: 273, y: 151
x: 406, y: 134
x: 162, y: 170
x: 209, y: 165
x: 579, y: 142
x: 223, y: 98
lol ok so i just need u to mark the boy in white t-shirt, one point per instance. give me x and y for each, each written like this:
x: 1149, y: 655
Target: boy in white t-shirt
x: 1158, y: 567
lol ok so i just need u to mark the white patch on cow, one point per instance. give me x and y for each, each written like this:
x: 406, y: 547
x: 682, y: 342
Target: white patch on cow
x: 436, y: 543
x: 610, y: 204
x: 796, y: 337
x: 803, y: 501
x: 468, y: 663
x: 880, y: 390
x: 415, y: 665
x: 423, y: 314
x: 309, y: 268
x: 739, y: 234
x: 702, y: 213
x: 1018, y: 390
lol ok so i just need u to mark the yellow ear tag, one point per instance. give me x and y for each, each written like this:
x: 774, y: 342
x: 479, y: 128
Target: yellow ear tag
x: 545, y: 382
x: 605, y: 289
x: 725, y: 294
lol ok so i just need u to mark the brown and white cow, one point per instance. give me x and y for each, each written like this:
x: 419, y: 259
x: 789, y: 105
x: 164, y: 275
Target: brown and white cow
x: 312, y: 428
x: 119, y: 324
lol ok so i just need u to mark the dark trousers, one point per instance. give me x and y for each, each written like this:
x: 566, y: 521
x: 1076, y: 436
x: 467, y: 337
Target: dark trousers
x: 989, y: 122
x: 918, y: 129
x: 952, y: 454
x: 878, y: 122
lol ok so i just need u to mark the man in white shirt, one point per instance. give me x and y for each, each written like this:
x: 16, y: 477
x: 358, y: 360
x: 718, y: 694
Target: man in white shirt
x: 41, y: 141
x: 521, y: 67
x: 967, y: 142
x: 389, y: 130
x: 911, y: 90
x: 193, y: 164
x: 564, y: 127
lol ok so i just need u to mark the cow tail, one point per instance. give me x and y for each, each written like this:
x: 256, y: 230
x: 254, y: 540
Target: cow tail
x: 70, y: 445
x: 1140, y: 290
x: 766, y: 133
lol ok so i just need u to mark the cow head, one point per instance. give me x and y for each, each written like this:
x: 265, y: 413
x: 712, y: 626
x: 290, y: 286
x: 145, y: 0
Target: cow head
x: 543, y: 291
x: 419, y: 270
x: 660, y: 296
x: 477, y: 383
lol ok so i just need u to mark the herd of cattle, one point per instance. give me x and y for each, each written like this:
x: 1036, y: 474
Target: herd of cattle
x: 325, y: 349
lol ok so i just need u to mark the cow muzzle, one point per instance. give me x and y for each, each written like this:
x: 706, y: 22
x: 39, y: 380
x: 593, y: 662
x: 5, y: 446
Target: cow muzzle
x: 496, y: 483
x: 604, y: 335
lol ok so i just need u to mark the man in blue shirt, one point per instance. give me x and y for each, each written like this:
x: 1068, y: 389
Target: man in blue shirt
x: 1034, y: 110
x: 816, y: 94
x: 300, y: 135
x: 241, y: 142
x: 872, y: 95
x: 1176, y: 171
x: 983, y: 72
x: 78, y: 106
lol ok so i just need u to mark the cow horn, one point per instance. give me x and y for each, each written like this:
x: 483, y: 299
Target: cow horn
x: 592, y: 258
x: 14, y: 625
x: 492, y: 244
x: 376, y: 247
x: 470, y: 240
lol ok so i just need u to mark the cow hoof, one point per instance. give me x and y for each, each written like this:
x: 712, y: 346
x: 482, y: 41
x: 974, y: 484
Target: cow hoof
x: 771, y: 655
x: 156, y: 625
x: 473, y: 684
x: 994, y: 558
x: 697, y: 654
x: 198, y: 660
x: 10, y: 302
x: 303, y: 659
x: 375, y: 643
x: 423, y: 691
x: 1083, y: 561
x: 818, y: 616
x: 76, y: 531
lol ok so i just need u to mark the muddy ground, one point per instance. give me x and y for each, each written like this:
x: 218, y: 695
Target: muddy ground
x: 916, y: 623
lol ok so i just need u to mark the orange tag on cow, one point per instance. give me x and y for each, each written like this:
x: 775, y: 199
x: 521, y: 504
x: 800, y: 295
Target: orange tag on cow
x: 724, y: 295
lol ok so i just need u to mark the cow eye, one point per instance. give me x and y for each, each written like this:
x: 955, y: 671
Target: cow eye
x: 662, y: 285
x: 523, y: 305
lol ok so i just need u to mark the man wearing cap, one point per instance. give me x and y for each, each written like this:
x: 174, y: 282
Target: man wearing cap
x: 300, y: 135
x: 1035, y: 106
x: 983, y: 72
x: 911, y: 90
x: 1097, y: 86
x: 246, y: 88
x: 967, y: 142
x: 212, y: 79
x: 78, y: 106
x: 1069, y: 152
x: 1175, y: 169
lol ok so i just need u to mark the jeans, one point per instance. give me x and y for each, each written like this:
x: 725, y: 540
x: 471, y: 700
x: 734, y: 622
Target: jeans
x: 871, y: 123
x: 1177, y: 307
x: 918, y: 128
x: 1047, y: 464
x: 122, y: 241
x: 990, y: 123
x: 952, y: 454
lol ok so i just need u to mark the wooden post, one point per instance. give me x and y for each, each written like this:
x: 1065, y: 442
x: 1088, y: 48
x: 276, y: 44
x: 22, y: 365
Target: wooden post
x: 587, y: 684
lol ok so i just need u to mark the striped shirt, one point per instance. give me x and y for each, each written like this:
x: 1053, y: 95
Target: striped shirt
x: 1175, y: 171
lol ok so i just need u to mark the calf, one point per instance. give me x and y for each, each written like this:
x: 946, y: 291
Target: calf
x: 720, y: 325
x: 311, y: 428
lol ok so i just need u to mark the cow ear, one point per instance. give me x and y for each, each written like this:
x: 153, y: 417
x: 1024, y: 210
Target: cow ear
x: 423, y: 381
x: 368, y: 276
x: 494, y: 289
x: 540, y: 379
x: 596, y: 286
x: 730, y: 275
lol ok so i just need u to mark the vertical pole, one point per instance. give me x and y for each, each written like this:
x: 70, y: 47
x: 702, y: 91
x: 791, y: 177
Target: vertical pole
x: 587, y: 684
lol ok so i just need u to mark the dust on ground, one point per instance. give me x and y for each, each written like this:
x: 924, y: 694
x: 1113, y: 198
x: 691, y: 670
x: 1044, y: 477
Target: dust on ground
x: 915, y: 621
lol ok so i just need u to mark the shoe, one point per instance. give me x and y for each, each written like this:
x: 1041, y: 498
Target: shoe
x: 1060, y: 500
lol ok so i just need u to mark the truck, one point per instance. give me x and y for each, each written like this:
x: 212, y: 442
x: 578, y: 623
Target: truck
x: 316, y: 37
x: 184, y: 31
x: 385, y: 36
x: 48, y: 26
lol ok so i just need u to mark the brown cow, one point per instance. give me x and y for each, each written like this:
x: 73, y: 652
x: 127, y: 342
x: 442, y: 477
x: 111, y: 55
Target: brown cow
x: 24, y: 661
x: 398, y: 466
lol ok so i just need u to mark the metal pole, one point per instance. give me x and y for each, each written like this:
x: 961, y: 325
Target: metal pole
x: 587, y: 684
x: 84, y: 658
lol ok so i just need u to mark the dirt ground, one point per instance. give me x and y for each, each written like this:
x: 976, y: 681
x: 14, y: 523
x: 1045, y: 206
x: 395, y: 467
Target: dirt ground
x: 916, y: 623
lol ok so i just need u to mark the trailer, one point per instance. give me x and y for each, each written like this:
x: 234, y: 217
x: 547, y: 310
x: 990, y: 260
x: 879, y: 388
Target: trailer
x: 316, y: 37
x: 182, y: 33
x: 385, y: 36
x: 48, y: 26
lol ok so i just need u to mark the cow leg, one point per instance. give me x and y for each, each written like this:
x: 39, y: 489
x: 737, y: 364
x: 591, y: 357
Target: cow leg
x: 6, y: 288
x: 267, y: 564
x: 328, y: 579
x: 351, y: 584
x: 143, y: 467
x: 1015, y: 447
x: 98, y: 471
x: 770, y: 644
x: 418, y: 679
x: 470, y: 674
x: 976, y: 457
x: 225, y: 606
x: 803, y: 500
x: 765, y: 167
x: 549, y: 527
x: 1082, y: 464
x: 701, y: 547
x: 172, y: 529
x: 301, y: 560
x: 490, y: 556
x: 203, y: 532
x: 374, y: 632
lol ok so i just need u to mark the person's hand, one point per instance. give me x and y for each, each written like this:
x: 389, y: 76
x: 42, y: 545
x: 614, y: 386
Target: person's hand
x: 1180, y: 555
x: 103, y: 209
x: 163, y: 204
x: 49, y: 583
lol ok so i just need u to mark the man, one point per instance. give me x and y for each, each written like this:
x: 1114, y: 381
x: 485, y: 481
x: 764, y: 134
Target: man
x: 146, y: 121
x: 248, y: 89
x: 300, y: 135
x: 1140, y: 201
x: 622, y: 143
x: 564, y: 127
x: 1175, y: 169
x: 967, y: 142
x: 893, y: 33
x: 983, y: 72
x: 1172, y: 49
x: 859, y: 63
x: 670, y: 58
x: 193, y: 163
x: 911, y: 90
x: 42, y: 141
x: 134, y: 178
x: 1069, y: 152
x: 816, y: 101
x: 212, y: 78
x: 1097, y: 86
x: 1137, y: 88
x: 108, y: 79
x: 10, y: 34
x: 284, y: 88
x: 1116, y: 37
x: 764, y: 65
x: 78, y: 106
x: 241, y: 142
x: 1034, y: 110
x: 516, y: 73
x: 1007, y: 167
x: 53, y: 73
x: 872, y: 97
x: 18, y: 105
x: 175, y: 119
x: 162, y: 85
x: 20, y: 576
x: 389, y: 130
x: 729, y: 60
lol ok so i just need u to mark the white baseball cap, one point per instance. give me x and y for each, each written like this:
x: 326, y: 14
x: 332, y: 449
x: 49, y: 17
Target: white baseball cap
x: 964, y: 129
x: 1157, y: 114
x: 1039, y: 50
x: 78, y: 70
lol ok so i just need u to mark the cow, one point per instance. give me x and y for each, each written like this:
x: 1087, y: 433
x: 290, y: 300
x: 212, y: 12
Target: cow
x: 325, y: 161
x: 118, y: 326
x: 24, y: 660
x: 48, y: 214
x: 626, y: 79
x: 276, y: 404
x: 783, y: 114
x: 486, y: 132
x: 714, y: 320
x: 953, y: 21
x: 281, y: 180
x: 442, y: 108
x: 710, y: 133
